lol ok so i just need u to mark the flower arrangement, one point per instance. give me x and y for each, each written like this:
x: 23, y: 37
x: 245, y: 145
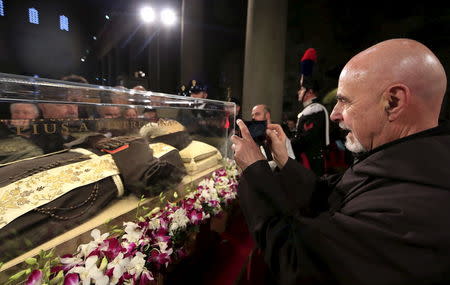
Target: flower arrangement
x: 143, y: 248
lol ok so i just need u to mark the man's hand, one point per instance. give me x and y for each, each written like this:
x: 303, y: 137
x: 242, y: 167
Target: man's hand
x: 246, y: 151
x: 278, y: 144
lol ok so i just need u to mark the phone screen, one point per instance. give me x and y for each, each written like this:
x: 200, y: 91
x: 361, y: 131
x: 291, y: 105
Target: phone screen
x: 257, y: 130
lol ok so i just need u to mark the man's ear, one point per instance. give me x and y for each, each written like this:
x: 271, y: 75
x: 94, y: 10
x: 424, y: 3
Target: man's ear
x: 396, y: 99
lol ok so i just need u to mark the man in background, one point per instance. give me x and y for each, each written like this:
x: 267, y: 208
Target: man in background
x: 262, y: 113
x: 312, y: 134
x: 22, y: 114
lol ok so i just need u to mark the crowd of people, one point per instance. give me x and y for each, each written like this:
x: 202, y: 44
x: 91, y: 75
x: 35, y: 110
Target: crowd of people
x: 46, y: 127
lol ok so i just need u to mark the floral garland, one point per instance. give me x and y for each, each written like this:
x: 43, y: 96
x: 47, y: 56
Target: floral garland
x: 142, y: 248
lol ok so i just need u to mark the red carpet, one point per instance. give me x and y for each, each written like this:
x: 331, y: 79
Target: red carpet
x: 221, y: 259
x: 231, y: 253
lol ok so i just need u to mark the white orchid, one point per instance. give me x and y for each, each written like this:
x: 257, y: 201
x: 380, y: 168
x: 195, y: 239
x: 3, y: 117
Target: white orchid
x: 198, y: 205
x: 119, y: 265
x: 179, y: 219
x: 85, y: 249
x: 90, y: 272
x: 207, y: 184
x: 136, y: 265
x: 154, y: 224
x: 132, y: 232
x: 209, y: 194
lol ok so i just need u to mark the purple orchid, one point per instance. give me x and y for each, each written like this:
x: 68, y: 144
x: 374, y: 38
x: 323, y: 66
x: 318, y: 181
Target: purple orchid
x: 181, y: 253
x: 125, y: 277
x: 112, y: 248
x: 213, y: 203
x: 195, y: 217
x: 109, y: 272
x: 146, y: 278
x: 188, y: 204
x: 159, y: 258
x: 35, y: 278
x: 161, y: 235
x: 131, y: 249
x: 56, y: 269
x: 72, y: 279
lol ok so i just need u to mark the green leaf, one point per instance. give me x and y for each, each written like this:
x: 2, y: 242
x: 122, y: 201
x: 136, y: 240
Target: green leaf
x: 141, y: 219
x: 54, y: 261
x: 46, y: 266
x: 28, y: 271
x: 103, y: 264
x: 58, y: 278
x: 41, y: 253
x: 18, y: 275
x: 1, y: 264
x: 50, y: 253
x: 155, y: 210
x: 31, y: 261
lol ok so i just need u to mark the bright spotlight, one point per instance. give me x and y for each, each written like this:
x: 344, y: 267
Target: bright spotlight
x: 168, y: 17
x: 147, y: 14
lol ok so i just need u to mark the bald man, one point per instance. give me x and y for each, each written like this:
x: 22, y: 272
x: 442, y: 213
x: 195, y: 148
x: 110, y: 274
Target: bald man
x: 261, y: 112
x: 386, y: 219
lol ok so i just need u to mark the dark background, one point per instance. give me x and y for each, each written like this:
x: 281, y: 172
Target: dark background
x: 124, y: 45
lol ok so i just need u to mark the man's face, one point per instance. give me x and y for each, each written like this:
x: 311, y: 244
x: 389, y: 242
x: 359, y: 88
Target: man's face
x: 258, y: 113
x: 59, y: 111
x: 152, y: 116
x: 301, y: 94
x: 230, y: 109
x: 109, y: 112
x: 130, y: 114
x: 291, y: 124
x: 199, y: 95
x: 359, y: 110
x: 22, y: 113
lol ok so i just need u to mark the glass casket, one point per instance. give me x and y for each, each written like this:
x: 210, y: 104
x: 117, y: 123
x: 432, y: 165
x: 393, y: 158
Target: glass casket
x: 73, y: 156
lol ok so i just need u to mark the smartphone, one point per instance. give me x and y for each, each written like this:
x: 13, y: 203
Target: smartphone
x: 257, y: 130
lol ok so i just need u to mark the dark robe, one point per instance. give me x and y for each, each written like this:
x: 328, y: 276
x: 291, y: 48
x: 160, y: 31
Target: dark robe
x: 384, y: 221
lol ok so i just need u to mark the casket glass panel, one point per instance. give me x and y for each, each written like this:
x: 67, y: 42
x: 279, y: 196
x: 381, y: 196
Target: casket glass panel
x: 68, y: 150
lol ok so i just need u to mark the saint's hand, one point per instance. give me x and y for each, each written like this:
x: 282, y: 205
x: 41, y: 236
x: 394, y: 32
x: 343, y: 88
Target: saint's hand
x: 246, y: 151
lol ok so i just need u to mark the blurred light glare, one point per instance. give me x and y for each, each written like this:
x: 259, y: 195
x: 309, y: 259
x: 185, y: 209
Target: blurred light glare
x: 168, y: 17
x: 107, y: 17
x: 147, y: 14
